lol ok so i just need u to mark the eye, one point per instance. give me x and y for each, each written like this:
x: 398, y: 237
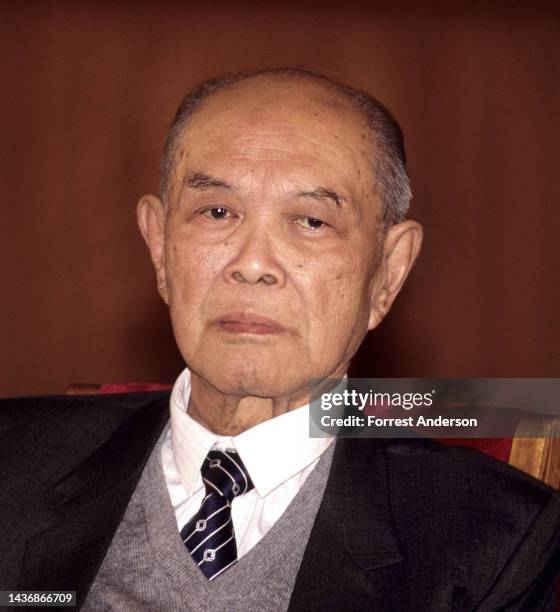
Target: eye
x: 217, y: 214
x: 311, y: 223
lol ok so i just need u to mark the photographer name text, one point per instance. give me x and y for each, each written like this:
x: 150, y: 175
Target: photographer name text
x: 375, y: 421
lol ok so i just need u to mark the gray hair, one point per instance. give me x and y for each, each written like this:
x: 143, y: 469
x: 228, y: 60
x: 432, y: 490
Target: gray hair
x: 390, y: 161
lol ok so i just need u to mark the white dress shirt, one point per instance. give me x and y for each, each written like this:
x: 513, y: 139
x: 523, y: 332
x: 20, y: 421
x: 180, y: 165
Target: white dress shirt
x: 278, y: 454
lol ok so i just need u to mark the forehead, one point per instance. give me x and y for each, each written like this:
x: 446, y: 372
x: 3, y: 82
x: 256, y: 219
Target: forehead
x: 279, y: 126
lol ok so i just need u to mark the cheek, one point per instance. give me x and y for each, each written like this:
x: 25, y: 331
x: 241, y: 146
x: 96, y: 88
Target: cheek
x: 190, y: 270
x: 188, y: 259
x: 335, y: 296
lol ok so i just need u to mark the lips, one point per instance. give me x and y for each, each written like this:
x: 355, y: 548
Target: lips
x: 248, y: 323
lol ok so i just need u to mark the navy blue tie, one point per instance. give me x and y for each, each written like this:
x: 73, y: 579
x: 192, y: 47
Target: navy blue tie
x: 209, y: 535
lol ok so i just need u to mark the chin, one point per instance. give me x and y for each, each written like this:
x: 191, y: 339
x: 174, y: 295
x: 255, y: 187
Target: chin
x: 257, y: 376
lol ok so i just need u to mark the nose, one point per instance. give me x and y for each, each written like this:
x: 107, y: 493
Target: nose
x: 254, y: 261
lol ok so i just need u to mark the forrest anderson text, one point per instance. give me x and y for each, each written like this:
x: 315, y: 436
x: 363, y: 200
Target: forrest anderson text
x: 375, y: 421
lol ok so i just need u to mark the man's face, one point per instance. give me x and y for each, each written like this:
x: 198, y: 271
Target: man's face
x: 268, y: 253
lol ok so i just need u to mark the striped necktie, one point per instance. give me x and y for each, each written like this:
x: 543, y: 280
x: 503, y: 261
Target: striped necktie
x: 209, y: 535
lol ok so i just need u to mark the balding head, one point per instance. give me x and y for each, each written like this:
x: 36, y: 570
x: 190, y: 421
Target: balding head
x: 384, y: 135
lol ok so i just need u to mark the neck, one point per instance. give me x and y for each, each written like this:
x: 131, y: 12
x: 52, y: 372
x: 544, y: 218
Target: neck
x: 229, y: 415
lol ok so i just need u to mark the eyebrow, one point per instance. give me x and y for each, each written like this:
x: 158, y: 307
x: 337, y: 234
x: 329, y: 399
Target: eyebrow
x: 199, y: 180
x: 202, y: 181
x: 323, y: 193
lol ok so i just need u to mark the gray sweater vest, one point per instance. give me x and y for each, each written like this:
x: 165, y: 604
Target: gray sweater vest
x: 147, y: 567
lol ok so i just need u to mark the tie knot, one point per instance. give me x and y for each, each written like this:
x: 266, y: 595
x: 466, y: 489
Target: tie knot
x: 223, y: 472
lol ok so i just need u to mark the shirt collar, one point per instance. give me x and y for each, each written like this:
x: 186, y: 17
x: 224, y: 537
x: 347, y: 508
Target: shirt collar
x: 273, y: 451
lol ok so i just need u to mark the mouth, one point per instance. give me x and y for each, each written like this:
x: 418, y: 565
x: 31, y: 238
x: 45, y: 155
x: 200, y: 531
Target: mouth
x: 248, y: 323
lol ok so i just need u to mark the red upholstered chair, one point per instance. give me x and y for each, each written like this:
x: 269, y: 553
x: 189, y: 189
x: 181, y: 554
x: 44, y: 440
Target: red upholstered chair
x: 127, y: 387
x: 539, y: 457
x: 132, y: 387
x: 499, y: 448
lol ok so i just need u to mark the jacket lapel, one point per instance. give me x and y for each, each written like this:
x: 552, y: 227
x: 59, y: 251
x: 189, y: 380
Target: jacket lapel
x: 353, y: 533
x: 79, y: 515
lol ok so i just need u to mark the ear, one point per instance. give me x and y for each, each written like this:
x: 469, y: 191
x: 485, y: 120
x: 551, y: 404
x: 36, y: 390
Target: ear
x: 151, y: 220
x: 400, y: 250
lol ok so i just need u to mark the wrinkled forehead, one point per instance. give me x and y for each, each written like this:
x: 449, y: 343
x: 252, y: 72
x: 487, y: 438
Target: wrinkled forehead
x: 264, y: 122
x: 265, y: 93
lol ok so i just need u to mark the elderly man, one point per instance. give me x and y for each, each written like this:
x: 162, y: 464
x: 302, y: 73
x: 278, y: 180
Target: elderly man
x: 278, y: 241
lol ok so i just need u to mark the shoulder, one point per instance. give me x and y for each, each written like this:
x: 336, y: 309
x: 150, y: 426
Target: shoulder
x: 462, y: 475
x: 52, y: 410
x: 485, y: 517
x: 46, y: 431
x: 467, y: 489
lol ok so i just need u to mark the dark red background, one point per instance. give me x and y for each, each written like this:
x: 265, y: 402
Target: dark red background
x: 89, y: 88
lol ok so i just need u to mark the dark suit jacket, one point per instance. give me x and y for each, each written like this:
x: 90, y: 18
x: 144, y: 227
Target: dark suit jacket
x: 404, y: 525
